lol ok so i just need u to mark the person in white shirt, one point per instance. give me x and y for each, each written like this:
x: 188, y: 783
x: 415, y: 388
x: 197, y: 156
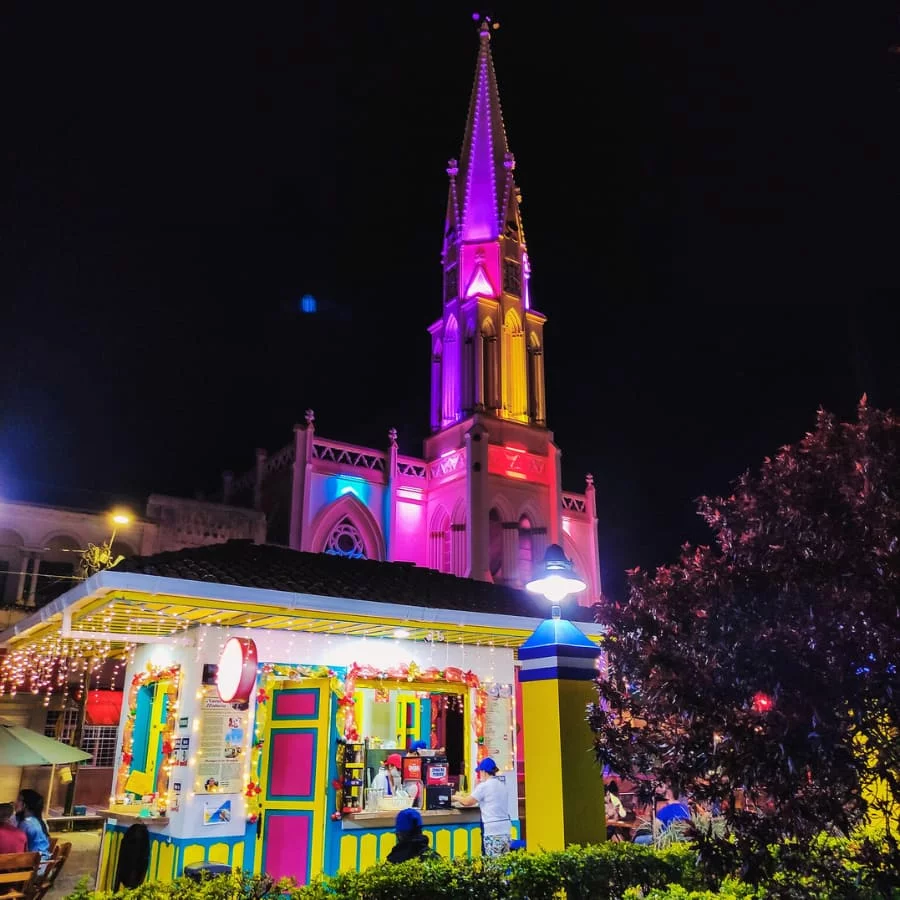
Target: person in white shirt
x: 491, y: 796
x: 388, y: 778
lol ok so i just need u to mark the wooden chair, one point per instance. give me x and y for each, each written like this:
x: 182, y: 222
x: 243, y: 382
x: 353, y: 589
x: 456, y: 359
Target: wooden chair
x: 51, y: 870
x: 18, y: 874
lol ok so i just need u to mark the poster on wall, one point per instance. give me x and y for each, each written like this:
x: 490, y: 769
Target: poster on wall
x: 216, y: 812
x: 498, y: 725
x: 223, y: 730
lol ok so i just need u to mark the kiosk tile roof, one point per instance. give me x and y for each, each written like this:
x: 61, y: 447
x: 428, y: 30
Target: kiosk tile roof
x: 281, y: 569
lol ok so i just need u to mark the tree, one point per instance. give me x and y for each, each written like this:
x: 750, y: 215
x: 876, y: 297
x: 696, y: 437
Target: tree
x: 767, y: 662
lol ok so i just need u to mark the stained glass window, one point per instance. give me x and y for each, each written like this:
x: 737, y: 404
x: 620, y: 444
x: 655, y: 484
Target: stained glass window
x: 345, y: 540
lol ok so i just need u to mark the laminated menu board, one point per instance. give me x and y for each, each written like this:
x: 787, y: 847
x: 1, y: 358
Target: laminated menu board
x: 223, y: 743
x: 499, y: 738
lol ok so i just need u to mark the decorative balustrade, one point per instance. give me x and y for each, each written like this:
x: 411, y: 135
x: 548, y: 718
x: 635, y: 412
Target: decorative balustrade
x: 349, y: 455
x: 447, y: 465
x: 411, y: 467
x: 244, y: 482
x: 573, y: 503
x: 280, y: 460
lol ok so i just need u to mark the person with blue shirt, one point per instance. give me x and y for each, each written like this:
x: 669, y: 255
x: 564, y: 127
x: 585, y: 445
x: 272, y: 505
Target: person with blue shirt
x: 30, y: 816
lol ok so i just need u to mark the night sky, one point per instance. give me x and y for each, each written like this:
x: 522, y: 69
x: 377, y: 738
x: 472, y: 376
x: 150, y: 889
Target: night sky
x: 710, y: 199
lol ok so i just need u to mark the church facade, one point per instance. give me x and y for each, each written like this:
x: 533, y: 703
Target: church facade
x: 485, y: 497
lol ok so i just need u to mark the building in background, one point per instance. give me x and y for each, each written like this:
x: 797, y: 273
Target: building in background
x: 485, y: 498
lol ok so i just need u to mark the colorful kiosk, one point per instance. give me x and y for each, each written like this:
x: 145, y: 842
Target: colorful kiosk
x: 327, y: 666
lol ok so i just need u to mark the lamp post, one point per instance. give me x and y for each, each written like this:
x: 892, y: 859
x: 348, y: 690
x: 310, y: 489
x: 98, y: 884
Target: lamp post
x: 95, y: 558
x: 557, y: 667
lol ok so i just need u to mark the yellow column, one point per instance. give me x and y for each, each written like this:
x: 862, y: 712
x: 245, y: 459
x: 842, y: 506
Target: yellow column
x: 563, y: 781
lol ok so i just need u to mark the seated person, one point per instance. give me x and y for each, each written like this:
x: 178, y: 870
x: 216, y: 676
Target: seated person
x: 30, y: 816
x: 615, y: 809
x: 411, y: 843
x: 672, y: 811
x: 11, y: 839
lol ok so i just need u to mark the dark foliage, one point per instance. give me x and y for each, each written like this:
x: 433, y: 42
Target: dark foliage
x: 765, y: 665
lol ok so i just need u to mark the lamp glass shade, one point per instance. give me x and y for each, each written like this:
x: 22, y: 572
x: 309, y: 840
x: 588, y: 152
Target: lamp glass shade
x: 557, y: 578
x: 236, y: 675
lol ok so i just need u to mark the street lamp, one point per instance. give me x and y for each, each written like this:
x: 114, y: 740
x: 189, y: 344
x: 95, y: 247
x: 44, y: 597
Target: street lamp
x: 556, y: 579
x: 95, y: 558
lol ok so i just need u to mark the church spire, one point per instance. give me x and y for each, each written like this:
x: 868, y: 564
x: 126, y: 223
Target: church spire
x: 484, y: 184
x: 487, y: 348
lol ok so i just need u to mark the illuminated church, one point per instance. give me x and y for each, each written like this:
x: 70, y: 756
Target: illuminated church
x: 485, y: 498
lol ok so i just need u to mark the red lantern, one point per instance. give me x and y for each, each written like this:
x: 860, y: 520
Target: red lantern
x: 762, y: 703
x: 236, y: 674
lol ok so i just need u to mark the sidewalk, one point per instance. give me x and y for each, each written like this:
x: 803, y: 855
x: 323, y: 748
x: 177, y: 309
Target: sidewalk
x: 82, y: 861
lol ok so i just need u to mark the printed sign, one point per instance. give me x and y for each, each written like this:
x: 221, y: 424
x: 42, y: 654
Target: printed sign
x: 223, y: 739
x: 216, y: 812
x: 498, y: 726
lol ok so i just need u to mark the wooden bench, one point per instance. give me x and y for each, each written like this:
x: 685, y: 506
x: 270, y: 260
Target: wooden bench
x: 18, y: 875
x: 49, y: 872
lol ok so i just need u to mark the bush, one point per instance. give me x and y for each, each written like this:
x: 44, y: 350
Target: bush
x: 862, y: 867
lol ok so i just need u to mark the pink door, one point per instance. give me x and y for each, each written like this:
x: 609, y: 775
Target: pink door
x: 291, y: 827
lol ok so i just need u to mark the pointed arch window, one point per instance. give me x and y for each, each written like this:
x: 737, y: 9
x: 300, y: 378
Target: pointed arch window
x: 451, y: 372
x: 512, y: 277
x: 451, y: 283
x: 514, y: 375
x: 490, y: 365
x: 526, y: 550
x: 439, y: 550
x: 436, y: 383
x: 345, y: 540
x: 468, y: 371
x: 536, y: 380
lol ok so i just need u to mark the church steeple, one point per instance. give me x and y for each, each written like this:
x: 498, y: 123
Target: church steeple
x: 485, y: 171
x: 487, y: 349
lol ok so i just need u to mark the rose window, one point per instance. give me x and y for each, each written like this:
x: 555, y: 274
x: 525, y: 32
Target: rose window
x: 345, y: 540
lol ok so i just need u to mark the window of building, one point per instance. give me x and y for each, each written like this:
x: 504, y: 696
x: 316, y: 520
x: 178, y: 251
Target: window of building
x: 61, y: 724
x: 345, y: 540
x: 4, y: 577
x: 512, y: 277
x: 451, y: 290
x: 526, y: 554
x: 100, y: 742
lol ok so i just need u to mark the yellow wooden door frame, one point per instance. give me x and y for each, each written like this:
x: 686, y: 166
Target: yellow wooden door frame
x: 317, y: 805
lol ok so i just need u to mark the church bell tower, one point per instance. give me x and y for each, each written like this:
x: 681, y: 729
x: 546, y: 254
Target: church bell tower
x: 487, y: 347
x: 494, y: 469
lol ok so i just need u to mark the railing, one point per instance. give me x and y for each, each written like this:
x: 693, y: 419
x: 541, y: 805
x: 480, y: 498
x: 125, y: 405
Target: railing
x: 349, y: 455
x: 447, y: 465
x: 573, y: 503
x: 411, y: 467
x: 338, y: 453
x: 281, y: 460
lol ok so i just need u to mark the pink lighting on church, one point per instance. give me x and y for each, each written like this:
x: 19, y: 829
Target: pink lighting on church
x: 480, y: 269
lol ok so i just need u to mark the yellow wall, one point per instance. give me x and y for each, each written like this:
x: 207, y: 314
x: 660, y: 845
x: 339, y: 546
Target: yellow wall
x: 563, y: 782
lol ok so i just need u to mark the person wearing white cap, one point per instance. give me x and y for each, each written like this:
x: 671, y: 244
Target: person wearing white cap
x: 491, y: 796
